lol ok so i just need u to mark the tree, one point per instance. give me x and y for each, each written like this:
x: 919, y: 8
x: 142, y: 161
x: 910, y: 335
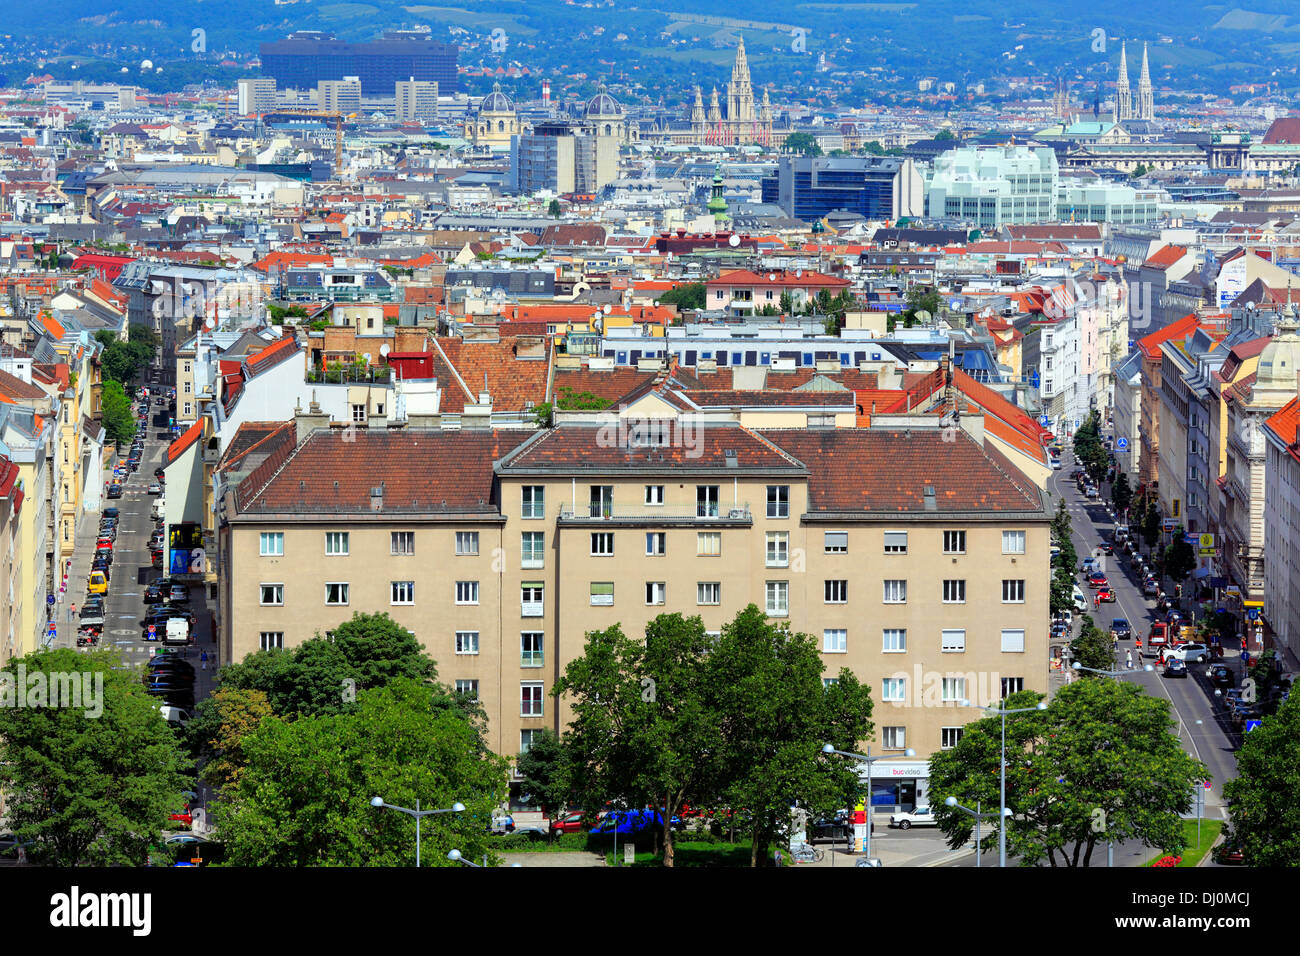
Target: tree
x: 544, y: 768
x: 553, y: 210
x: 688, y: 295
x: 803, y: 143
x: 115, y: 407
x: 645, y: 730
x: 544, y: 414
x: 786, y: 304
x: 1092, y: 648
x: 1099, y: 765
x: 1121, y: 494
x: 1151, y: 525
x: 944, y: 135
x: 233, y: 715
x: 776, y: 715
x: 1062, y: 593
x: 93, y: 783
x: 1264, y: 816
x: 1180, y: 560
x: 303, y: 798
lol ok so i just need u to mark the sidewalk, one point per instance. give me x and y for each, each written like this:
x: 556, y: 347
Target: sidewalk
x: 83, y: 543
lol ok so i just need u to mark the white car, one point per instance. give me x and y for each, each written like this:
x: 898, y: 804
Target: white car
x: 1197, y: 653
x: 920, y: 817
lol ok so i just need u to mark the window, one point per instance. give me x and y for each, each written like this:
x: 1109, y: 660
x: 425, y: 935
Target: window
x: 526, y: 738
x: 950, y: 737
x: 272, y: 543
x: 1013, y: 542
x: 893, y: 689
x: 531, y: 599
x: 895, y: 542
x: 530, y: 648
x: 954, y: 689
x: 706, y: 501
x: 954, y: 591
x: 828, y: 682
x: 359, y: 414
x: 466, y: 592
x: 654, y: 494
x: 467, y: 687
x: 1012, y: 685
x: 401, y: 542
x: 895, y: 640
x: 403, y: 592
x: 778, y: 549
x: 708, y: 543
x: 954, y: 641
x: 655, y: 542
x: 654, y: 592
x: 467, y: 542
x: 602, y: 543
x: 336, y: 543
x: 602, y: 593
x: 954, y: 542
x: 336, y: 592
x: 1013, y: 591
x: 837, y: 542
x: 533, y: 501
x: 895, y: 592
x: 1013, y: 641
x: 602, y: 501
x: 708, y: 592
x: 893, y: 738
x: 778, y: 598
x: 837, y: 592
x: 778, y: 501
x: 272, y: 595
x: 467, y: 642
x: 188, y: 410
x: 271, y: 640
x: 835, y: 641
x: 533, y: 549
x: 187, y: 388
x: 530, y: 699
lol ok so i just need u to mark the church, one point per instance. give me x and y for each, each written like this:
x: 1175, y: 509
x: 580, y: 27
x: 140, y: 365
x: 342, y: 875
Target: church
x: 741, y: 122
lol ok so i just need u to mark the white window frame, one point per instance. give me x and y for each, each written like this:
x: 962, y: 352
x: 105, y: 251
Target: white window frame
x: 602, y: 544
x: 656, y: 544
x: 898, y: 590
x: 835, y: 640
x: 1011, y: 685
x: 952, y: 640
x: 465, y: 541
x: 532, y: 658
x: 273, y: 538
x: 893, y: 737
x: 656, y: 593
x: 470, y: 689
x: 954, y: 591
x: 778, y: 549
x: 1010, y: 640
x: 835, y: 591
x: 333, y: 539
x: 270, y: 640
x: 831, y: 542
x: 538, y: 701
x: 950, y: 737
x: 532, y: 502
x: 953, y: 689
x: 602, y: 600
x: 344, y: 593
x: 893, y: 690
x: 276, y: 594
x: 529, y: 606
x: 465, y: 643
x: 396, y: 538
x: 778, y: 501
x: 893, y: 544
x: 777, y: 594
x: 959, y: 538
x: 654, y: 496
x: 704, y: 590
x: 1016, y: 540
x: 533, y: 556
x: 708, y: 537
x: 401, y: 593
x: 1017, y: 590
x: 900, y: 633
x: 467, y: 592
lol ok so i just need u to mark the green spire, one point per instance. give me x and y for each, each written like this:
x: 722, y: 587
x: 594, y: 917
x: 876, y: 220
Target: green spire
x: 718, y: 205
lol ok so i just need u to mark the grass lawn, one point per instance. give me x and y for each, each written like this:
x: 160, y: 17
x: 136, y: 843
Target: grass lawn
x: 1193, y: 854
x: 691, y: 854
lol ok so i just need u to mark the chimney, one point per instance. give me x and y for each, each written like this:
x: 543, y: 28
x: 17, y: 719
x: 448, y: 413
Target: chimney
x: 377, y: 498
x: 307, y: 422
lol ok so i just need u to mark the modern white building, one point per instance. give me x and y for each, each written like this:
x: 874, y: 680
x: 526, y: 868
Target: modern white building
x: 417, y: 101
x: 995, y: 185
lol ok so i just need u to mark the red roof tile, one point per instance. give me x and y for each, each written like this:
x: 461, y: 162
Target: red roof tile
x: 178, y: 447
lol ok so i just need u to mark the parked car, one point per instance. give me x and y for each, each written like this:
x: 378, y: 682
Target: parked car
x: 97, y: 583
x: 1175, y: 668
x: 569, y: 823
x: 155, y: 488
x: 1221, y: 676
x: 920, y: 817
x: 178, y: 594
x: 1229, y: 854
x: 153, y: 594
x: 1150, y: 587
x: 115, y: 490
x: 159, y: 472
x: 1197, y: 653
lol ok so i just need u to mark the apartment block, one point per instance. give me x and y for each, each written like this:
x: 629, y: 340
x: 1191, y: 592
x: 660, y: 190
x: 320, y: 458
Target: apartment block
x: 919, y: 563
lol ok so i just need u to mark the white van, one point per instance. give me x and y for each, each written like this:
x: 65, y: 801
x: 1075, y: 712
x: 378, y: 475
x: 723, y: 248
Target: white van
x: 159, y: 509
x: 178, y: 631
x: 1080, y: 602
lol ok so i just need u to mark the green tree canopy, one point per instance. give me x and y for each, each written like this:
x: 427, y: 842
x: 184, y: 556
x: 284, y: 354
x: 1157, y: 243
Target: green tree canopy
x: 115, y: 407
x: 803, y: 143
x: 688, y: 295
x: 547, y: 778
x: 1100, y: 764
x: 87, y: 787
x: 1264, y: 815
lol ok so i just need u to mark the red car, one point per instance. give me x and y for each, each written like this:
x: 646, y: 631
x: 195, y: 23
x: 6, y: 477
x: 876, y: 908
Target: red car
x: 569, y: 823
x: 184, y: 818
x: 1097, y: 580
x: 1105, y: 596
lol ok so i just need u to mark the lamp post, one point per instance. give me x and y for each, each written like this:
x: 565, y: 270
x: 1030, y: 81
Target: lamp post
x: 979, y: 818
x: 869, y: 760
x: 378, y: 803
x: 1002, y: 826
x: 1096, y: 670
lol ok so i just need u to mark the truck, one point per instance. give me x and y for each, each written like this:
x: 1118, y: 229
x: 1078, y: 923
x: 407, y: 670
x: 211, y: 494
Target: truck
x: 178, y: 632
x: 1158, y: 639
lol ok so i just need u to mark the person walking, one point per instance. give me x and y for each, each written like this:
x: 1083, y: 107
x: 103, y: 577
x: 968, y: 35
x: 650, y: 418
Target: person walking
x: 203, y: 659
x: 1129, y: 659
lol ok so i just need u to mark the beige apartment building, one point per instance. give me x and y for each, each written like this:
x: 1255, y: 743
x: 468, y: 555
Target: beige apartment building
x: 916, y: 558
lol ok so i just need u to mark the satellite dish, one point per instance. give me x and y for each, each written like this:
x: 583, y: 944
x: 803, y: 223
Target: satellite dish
x: 126, y: 69
x: 734, y: 240
x: 607, y: 308
x: 923, y: 316
x: 384, y: 350
x: 210, y: 324
x: 146, y: 65
x: 798, y: 273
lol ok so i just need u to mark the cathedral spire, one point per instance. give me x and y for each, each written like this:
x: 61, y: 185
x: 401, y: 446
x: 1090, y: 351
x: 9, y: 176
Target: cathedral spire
x: 1146, y: 109
x: 1123, y: 94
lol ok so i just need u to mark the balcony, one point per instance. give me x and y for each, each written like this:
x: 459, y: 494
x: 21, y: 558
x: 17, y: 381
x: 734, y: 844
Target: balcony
x: 531, y: 609
x: 351, y: 375
x: 531, y: 658
x: 640, y: 514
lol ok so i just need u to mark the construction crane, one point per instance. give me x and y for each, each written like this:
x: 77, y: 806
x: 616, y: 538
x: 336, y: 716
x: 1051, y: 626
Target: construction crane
x: 334, y: 115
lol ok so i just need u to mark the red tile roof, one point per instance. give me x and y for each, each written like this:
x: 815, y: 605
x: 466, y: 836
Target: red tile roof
x: 744, y: 277
x: 1150, y: 344
x: 1165, y: 257
x: 512, y: 382
x: 179, y: 446
x: 1285, y: 424
x: 272, y: 355
x: 585, y: 449
x: 13, y: 390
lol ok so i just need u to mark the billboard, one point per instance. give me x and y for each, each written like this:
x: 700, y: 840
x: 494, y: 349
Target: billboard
x: 185, y: 549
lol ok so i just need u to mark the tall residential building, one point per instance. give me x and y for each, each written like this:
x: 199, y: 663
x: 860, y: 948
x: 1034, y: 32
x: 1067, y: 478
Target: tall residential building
x: 256, y: 95
x: 877, y: 187
x: 995, y: 186
x: 339, y: 96
x: 1281, y: 610
x: 303, y: 59
x: 562, y: 158
x: 500, y: 549
x: 742, y: 121
x: 417, y: 101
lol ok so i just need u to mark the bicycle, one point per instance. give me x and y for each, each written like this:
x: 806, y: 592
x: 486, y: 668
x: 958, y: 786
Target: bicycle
x: 807, y: 853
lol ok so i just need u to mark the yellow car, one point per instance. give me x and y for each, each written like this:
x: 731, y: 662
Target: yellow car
x: 98, y: 583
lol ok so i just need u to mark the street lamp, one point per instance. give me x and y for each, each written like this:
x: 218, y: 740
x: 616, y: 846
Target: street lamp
x: 979, y: 818
x: 1002, y: 827
x: 1082, y: 667
x: 378, y: 803
x: 869, y: 760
